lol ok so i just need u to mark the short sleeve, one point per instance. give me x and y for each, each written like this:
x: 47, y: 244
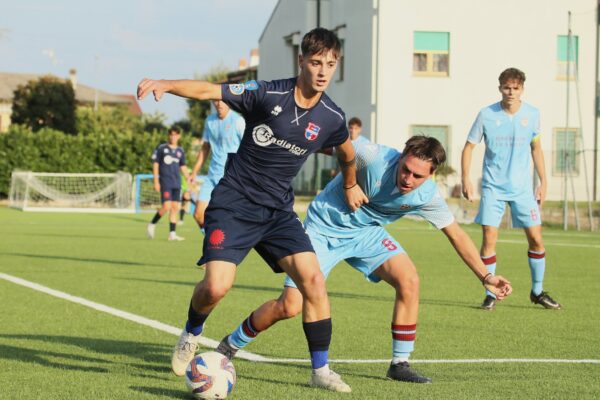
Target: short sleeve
x: 476, y: 132
x: 206, y: 131
x: 537, y: 130
x: 240, y: 126
x: 182, y: 161
x: 244, y: 97
x: 338, y: 137
x: 154, y: 156
x: 370, y: 166
x: 436, y: 212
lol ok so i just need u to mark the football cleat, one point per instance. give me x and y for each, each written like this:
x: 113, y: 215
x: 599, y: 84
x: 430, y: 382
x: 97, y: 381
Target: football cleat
x: 404, y: 373
x: 150, y: 231
x: 489, y: 303
x: 174, y: 238
x: 330, y: 381
x: 226, y: 349
x: 184, y: 352
x: 545, y: 300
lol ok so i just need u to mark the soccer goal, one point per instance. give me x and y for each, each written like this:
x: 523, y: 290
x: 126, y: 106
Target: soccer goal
x: 71, y: 192
x: 146, y: 199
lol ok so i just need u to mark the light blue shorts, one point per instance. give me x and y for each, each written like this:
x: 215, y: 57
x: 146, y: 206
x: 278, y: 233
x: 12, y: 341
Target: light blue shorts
x: 207, y: 187
x: 365, y: 252
x: 524, y: 209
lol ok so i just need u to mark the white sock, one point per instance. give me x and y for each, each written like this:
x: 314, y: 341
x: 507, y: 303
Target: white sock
x: 396, y: 360
x: 324, y: 370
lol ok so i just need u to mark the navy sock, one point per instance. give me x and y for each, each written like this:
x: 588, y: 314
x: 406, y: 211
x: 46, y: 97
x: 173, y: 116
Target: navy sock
x: 181, y: 214
x: 195, y: 322
x: 156, y: 218
x: 172, y: 226
x: 318, y: 336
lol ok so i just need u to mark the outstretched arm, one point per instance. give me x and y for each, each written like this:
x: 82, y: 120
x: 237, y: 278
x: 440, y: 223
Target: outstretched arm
x: 538, y: 162
x: 355, y: 197
x: 466, y: 249
x: 465, y: 162
x: 191, y: 89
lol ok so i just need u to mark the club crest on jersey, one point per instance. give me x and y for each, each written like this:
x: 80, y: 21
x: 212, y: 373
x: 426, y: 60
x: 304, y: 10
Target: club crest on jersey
x: 524, y: 122
x: 251, y: 85
x: 312, y: 131
x: 237, y: 88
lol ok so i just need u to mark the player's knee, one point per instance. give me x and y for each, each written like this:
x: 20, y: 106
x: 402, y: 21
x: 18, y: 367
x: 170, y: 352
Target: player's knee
x: 409, y: 287
x: 312, y: 285
x: 213, y: 292
x: 289, y: 309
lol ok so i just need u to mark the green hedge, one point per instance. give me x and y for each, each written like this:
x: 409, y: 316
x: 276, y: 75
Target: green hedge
x: 52, y: 151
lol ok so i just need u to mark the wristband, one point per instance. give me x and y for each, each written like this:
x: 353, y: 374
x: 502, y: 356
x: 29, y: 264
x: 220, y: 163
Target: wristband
x: 485, y: 278
x: 350, y: 187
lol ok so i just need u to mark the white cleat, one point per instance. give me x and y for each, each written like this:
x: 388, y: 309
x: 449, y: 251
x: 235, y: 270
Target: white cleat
x: 184, y: 352
x: 329, y: 381
x: 173, y: 237
x: 150, y: 231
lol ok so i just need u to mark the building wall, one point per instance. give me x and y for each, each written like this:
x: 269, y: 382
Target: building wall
x: 484, y: 40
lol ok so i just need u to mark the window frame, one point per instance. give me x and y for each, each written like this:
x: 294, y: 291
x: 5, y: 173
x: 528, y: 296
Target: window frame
x: 556, y: 152
x: 429, y: 54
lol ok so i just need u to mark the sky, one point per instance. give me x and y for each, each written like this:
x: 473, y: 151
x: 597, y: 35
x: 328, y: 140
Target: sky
x: 113, y: 44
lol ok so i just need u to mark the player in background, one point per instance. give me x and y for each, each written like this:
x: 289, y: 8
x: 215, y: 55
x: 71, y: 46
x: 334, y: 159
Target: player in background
x: 251, y: 207
x: 186, y: 197
x: 223, y: 131
x: 355, y: 129
x: 397, y: 184
x: 511, y: 131
x: 168, y: 161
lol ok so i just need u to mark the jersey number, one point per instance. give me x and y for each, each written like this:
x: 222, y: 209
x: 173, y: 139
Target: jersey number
x: 388, y: 244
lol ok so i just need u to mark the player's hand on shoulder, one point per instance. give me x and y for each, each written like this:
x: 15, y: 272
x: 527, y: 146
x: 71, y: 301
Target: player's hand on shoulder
x: 498, y: 285
x: 157, y: 87
x: 355, y: 197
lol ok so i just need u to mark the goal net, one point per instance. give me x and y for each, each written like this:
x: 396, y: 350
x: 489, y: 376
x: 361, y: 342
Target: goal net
x: 146, y: 199
x: 71, y: 192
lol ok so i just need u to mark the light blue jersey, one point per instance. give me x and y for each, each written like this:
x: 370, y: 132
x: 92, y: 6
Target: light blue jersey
x: 359, y: 238
x: 360, y: 140
x: 377, y: 168
x: 224, y: 136
x: 507, y: 161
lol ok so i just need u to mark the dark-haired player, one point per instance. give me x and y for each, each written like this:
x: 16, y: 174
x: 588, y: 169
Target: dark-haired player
x: 251, y: 207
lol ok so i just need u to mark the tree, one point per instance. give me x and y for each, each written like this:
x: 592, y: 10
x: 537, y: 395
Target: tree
x: 105, y: 119
x: 154, y: 122
x: 48, y: 102
x: 199, y: 110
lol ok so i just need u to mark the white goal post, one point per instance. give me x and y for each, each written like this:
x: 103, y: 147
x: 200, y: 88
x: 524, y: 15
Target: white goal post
x: 71, y: 192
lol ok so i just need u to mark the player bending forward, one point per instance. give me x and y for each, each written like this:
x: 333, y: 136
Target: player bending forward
x: 397, y: 184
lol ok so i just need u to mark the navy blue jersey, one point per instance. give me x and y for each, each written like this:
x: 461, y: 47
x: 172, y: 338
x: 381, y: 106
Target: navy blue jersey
x: 278, y: 138
x: 169, y: 162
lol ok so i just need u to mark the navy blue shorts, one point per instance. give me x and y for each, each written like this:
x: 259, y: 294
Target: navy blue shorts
x: 173, y: 194
x: 234, y: 225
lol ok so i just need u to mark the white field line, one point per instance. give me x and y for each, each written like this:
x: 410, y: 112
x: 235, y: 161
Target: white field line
x: 256, y: 357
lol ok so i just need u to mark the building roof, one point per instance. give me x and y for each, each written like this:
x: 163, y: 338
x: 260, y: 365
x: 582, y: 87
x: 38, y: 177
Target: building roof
x: 83, y: 93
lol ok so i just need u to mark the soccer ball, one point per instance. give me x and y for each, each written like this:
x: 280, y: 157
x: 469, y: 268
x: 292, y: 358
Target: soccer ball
x: 210, y: 376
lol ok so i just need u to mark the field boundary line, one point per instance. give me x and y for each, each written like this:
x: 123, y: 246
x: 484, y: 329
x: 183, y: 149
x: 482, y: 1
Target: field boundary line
x: 246, y: 355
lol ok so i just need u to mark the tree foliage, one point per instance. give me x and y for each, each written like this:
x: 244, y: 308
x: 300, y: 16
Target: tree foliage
x: 107, y: 119
x: 48, y: 102
x: 199, y: 110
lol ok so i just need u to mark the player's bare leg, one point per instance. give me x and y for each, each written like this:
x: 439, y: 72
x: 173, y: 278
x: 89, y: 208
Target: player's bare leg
x: 488, y: 256
x: 217, y: 281
x: 304, y: 270
x: 199, y: 213
x: 173, y: 218
x: 537, y: 265
x: 400, y: 272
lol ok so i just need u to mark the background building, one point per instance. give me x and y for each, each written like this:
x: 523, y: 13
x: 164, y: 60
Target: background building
x: 429, y: 66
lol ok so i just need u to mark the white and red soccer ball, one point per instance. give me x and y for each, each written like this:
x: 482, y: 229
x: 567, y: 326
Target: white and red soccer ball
x: 210, y: 375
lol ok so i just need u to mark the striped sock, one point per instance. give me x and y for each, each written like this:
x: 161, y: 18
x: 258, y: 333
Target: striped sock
x: 537, y: 266
x: 244, y: 334
x: 490, y: 264
x: 403, y: 342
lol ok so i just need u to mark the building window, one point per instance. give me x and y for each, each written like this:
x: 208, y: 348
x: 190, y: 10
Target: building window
x: 440, y: 132
x: 565, y: 154
x: 567, y: 55
x: 293, y: 40
x: 431, y: 53
x: 340, y: 31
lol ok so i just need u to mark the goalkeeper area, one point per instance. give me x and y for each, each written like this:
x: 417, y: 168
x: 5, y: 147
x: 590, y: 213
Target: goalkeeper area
x: 91, y: 308
x: 86, y: 192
